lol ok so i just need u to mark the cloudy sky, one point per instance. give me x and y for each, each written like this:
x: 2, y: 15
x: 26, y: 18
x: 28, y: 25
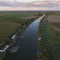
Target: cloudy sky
x: 29, y: 5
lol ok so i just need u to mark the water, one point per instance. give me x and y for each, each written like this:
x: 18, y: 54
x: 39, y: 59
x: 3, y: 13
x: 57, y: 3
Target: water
x: 27, y: 43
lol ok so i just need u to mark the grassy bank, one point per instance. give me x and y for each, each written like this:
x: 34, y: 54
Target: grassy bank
x: 54, y: 18
x: 2, y: 55
x: 50, y: 42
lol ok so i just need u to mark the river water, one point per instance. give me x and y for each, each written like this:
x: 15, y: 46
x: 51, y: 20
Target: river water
x: 27, y: 43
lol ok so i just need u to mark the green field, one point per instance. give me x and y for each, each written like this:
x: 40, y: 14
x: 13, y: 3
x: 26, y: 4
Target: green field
x: 10, y: 21
x: 50, y: 40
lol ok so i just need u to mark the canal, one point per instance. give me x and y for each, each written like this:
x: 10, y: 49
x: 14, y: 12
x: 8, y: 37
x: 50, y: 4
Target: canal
x: 27, y: 43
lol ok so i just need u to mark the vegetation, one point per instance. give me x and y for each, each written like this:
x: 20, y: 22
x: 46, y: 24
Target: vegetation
x: 10, y: 21
x: 2, y: 55
x: 50, y: 42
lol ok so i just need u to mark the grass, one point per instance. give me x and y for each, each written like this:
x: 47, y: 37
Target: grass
x: 50, y: 39
x: 10, y: 21
x: 2, y: 55
x: 53, y: 42
x: 6, y: 28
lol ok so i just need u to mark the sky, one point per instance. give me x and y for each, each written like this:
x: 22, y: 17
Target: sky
x: 22, y: 0
x: 35, y: 5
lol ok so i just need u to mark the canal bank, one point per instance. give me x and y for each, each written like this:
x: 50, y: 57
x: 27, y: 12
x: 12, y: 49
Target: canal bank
x: 27, y: 43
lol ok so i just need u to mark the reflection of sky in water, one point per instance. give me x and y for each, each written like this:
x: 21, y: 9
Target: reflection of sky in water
x: 27, y: 43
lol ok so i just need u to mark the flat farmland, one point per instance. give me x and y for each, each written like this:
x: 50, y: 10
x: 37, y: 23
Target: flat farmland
x: 6, y: 28
x: 10, y: 21
x: 54, y: 19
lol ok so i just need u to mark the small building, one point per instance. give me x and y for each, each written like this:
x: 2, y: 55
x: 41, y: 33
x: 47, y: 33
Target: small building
x: 13, y: 37
x: 39, y: 38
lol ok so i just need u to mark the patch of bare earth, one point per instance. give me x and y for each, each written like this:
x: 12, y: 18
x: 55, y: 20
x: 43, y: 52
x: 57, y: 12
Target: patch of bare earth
x: 53, y: 18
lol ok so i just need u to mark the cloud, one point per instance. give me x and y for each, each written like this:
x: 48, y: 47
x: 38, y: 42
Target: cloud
x: 31, y: 4
x: 47, y: 5
x: 28, y: 9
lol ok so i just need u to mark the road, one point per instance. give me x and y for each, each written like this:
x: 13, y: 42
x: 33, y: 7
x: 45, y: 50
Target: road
x: 27, y: 43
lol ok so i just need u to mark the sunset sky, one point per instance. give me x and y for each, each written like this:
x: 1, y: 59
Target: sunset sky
x: 29, y: 5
